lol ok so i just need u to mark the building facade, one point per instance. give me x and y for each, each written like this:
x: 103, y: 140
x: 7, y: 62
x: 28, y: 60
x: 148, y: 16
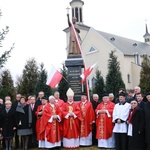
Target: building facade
x: 97, y: 45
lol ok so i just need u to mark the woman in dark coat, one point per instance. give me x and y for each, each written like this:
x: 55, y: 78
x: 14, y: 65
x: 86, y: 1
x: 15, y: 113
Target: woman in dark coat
x: 24, y: 121
x: 8, y: 124
x: 135, y: 127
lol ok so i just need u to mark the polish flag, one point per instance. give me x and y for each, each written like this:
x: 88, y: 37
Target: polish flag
x: 54, y: 77
x: 87, y: 72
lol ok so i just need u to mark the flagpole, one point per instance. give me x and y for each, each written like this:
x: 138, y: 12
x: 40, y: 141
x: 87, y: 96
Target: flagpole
x: 79, y: 46
x: 64, y: 78
x: 87, y: 89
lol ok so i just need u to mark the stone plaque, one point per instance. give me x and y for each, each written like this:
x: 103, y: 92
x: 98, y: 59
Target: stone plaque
x: 74, y: 80
x: 75, y: 65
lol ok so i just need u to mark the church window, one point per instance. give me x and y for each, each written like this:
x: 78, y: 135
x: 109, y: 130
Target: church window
x: 92, y: 49
x: 93, y: 82
x: 80, y: 14
x: 72, y: 12
x: 128, y: 78
x: 112, y: 39
x: 76, y: 14
x: 137, y: 59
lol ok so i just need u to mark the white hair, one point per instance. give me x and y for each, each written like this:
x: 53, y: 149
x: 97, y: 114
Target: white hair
x: 95, y: 95
x: 111, y: 94
x: 137, y: 87
x: 56, y: 92
x: 51, y: 97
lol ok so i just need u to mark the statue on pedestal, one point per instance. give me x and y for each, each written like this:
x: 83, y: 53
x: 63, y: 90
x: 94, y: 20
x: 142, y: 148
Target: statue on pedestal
x: 73, y: 47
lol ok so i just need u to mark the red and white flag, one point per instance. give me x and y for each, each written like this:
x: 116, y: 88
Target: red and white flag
x: 54, y: 77
x: 87, y: 72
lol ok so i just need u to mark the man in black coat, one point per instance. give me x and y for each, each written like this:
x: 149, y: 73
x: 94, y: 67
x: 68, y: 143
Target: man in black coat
x: 95, y: 103
x: 140, y: 101
x: 38, y: 101
x: 1, y: 104
x: 1, y: 108
x: 14, y: 105
x: 137, y: 90
x: 147, y: 120
x: 16, y: 101
x: 33, y: 107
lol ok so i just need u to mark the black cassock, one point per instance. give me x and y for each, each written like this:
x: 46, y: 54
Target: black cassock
x: 94, y: 140
x: 147, y: 124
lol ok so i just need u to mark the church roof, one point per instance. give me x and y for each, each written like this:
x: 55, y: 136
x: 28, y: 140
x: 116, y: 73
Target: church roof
x: 125, y: 45
x: 146, y: 34
x: 77, y: 1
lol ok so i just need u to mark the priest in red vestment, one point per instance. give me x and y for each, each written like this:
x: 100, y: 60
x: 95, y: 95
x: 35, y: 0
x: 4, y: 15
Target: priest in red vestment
x: 104, y: 124
x: 71, y: 121
x: 50, y: 129
x: 38, y: 114
x: 58, y: 101
x: 88, y: 118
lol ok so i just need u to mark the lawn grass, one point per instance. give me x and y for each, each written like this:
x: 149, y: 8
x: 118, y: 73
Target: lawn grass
x: 94, y: 147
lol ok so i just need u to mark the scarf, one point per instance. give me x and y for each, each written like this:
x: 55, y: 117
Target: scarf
x: 7, y: 109
x: 21, y: 105
x: 131, y: 113
x: 21, y: 110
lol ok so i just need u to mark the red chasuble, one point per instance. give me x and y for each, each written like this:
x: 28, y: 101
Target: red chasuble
x: 88, y: 116
x: 71, y: 125
x: 52, y: 129
x: 104, y: 125
x: 60, y: 103
x: 38, y: 121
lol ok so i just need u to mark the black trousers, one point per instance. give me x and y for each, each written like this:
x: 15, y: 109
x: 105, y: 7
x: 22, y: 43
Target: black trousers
x: 94, y: 140
x: 121, y: 141
x: 32, y: 140
x: 16, y: 140
x: 148, y: 146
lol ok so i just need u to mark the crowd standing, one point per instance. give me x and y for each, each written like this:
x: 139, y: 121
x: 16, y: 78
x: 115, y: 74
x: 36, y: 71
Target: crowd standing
x: 49, y: 122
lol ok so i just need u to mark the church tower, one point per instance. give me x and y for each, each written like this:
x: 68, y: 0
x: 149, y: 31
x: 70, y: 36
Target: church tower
x: 147, y: 36
x: 76, y: 8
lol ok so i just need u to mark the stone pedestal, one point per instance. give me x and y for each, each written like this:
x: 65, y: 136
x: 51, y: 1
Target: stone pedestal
x: 75, y: 65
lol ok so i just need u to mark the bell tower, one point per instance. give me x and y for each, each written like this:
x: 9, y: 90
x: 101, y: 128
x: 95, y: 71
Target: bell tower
x: 147, y: 36
x: 77, y: 10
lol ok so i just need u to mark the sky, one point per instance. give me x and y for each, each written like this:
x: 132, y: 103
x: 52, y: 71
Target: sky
x: 36, y: 27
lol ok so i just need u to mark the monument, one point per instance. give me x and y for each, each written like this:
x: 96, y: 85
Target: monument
x: 74, y: 61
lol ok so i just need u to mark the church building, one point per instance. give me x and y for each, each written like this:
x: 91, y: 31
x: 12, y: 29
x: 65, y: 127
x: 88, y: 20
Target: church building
x: 96, y: 46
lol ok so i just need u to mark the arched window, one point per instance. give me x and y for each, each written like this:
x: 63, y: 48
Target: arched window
x: 93, y: 82
x: 80, y: 14
x: 128, y: 78
x: 137, y: 59
x: 76, y: 14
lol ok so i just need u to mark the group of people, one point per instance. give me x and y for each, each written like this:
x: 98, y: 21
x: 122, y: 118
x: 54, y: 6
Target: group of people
x: 49, y: 122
